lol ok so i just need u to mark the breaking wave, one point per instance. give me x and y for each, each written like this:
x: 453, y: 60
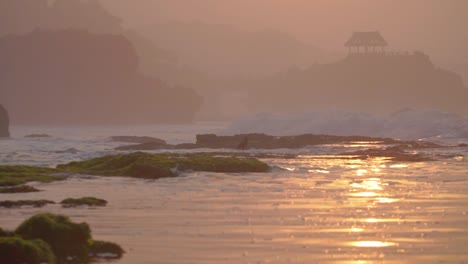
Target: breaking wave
x: 403, y: 124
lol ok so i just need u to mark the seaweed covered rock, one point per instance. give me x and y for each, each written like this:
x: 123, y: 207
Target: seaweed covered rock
x: 88, y: 201
x: 49, y: 238
x: 4, y: 122
x: 67, y: 239
x: 395, y: 153
x: 153, y: 166
x: 264, y: 141
x: 18, y: 250
x: 19, y: 189
x: 17, y: 175
x: 23, y: 203
x: 107, y: 250
x: 6, y: 233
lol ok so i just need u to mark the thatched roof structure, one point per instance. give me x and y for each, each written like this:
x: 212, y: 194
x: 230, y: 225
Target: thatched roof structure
x: 366, y: 39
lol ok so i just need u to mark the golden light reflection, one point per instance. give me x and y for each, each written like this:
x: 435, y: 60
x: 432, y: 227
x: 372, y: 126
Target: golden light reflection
x: 398, y: 166
x: 361, y: 172
x: 323, y: 171
x: 364, y: 194
x: 372, y: 184
x: 386, y: 200
x: 371, y: 220
x: 372, y: 244
x: 356, y: 230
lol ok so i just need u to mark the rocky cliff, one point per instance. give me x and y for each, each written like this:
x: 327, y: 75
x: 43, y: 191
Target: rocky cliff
x: 4, y: 122
x: 77, y: 77
x: 370, y: 83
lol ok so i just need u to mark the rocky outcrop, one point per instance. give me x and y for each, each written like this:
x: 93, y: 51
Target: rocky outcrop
x: 74, y: 77
x: 364, y: 83
x: 263, y: 141
x: 4, y: 122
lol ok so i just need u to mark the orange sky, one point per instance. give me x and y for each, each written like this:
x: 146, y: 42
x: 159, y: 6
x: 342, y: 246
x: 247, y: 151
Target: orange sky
x: 434, y: 26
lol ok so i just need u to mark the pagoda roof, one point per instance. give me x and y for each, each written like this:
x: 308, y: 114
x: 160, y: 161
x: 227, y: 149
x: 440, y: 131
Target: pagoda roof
x: 371, y: 38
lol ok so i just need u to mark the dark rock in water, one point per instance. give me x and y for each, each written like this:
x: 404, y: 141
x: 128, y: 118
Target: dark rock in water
x: 136, y: 139
x: 19, y: 189
x: 88, y: 201
x: 263, y: 141
x: 37, y: 136
x: 463, y: 145
x: 395, y: 153
x: 21, y: 203
x: 70, y: 150
x: 4, y: 123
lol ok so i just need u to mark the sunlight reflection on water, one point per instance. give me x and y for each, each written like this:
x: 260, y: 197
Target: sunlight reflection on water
x: 372, y: 244
x: 391, y: 213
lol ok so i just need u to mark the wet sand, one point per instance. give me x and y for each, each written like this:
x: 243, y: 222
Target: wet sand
x: 317, y: 211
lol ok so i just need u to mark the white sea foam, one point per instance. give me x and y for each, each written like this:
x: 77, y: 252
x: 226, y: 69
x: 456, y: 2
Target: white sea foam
x: 404, y: 124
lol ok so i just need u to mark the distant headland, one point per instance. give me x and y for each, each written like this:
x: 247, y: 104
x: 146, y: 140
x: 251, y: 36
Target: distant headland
x: 74, y: 77
x: 370, y: 78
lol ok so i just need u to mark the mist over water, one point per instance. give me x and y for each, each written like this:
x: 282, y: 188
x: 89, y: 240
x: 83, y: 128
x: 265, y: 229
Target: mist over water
x: 75, y: 73
x: 406, y: 124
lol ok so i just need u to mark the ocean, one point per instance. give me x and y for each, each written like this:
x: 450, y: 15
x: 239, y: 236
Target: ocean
x: 314, y: 207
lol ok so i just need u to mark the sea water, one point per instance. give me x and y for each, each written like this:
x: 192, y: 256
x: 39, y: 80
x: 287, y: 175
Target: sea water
x: 313, y: 208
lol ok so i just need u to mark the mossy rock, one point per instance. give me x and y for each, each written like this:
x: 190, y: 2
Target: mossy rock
x: 6, y: 233
x: 18, y: 250
x: 107, y: 250
x: 17, y: 175
x: 22, y: 203
x: 67, y: 239
x: 19, y: 189
x: 88, y: 201
x: 153, y: 166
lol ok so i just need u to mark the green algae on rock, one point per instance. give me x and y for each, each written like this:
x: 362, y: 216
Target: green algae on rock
x: 67, y: 239
x: 153, y: 166
x: 60, y: 239
x: 17, y: 175
x: 18, y: 250
x: 21, y: 203
x: 6, y: 233
x: 88, y: 201
x: 19, y: 189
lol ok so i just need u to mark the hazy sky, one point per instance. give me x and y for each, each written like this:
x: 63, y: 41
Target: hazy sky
x: 434, y: 26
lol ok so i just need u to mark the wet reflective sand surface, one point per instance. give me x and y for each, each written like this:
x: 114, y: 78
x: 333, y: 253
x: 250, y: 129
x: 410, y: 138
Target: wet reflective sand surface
x: 316, y: 210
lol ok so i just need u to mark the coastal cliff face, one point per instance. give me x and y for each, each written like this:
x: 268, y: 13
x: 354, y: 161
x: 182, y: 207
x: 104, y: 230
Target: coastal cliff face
x: 4, y: 122
x: 77, y: 77
x: 371, y: 83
